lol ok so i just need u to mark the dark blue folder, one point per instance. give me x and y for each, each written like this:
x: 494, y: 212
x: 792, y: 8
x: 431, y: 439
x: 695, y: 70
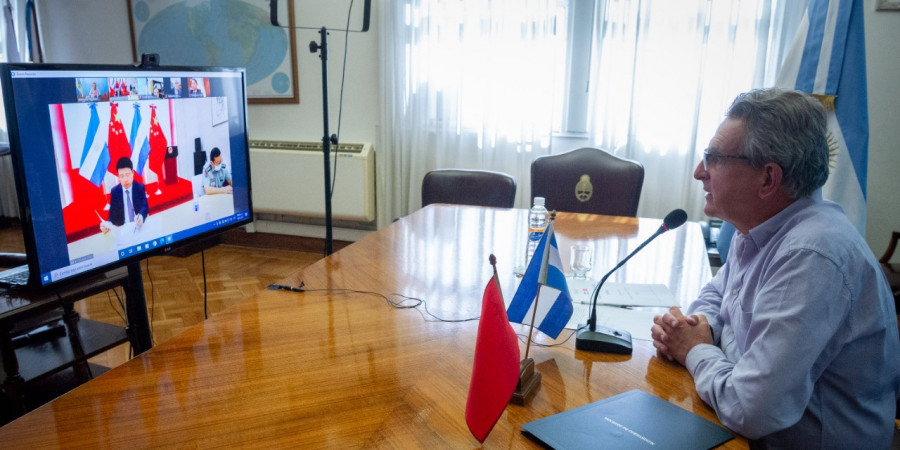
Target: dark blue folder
x: 634, y: 419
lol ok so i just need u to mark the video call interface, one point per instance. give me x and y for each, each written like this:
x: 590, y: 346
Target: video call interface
x: 123, y: 163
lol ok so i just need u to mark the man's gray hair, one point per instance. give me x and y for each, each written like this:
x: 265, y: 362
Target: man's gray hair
x: 788, y: 128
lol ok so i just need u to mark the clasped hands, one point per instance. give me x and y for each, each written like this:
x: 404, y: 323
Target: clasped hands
x: 674, y: 334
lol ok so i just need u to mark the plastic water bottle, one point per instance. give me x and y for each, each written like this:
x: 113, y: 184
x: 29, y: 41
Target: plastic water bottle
x: 538, y: 219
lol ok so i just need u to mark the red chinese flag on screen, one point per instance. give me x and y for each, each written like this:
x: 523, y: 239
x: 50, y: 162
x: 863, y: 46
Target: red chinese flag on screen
x: 496, y: 368
x: 158, y: 144
x: 117, y: 140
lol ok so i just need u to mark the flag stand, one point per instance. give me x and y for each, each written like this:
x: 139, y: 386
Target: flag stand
x: 530, y: 379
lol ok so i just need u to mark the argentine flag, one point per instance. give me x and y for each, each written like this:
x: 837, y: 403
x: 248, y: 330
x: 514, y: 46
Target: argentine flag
x: 828, y: 59
x: 94, y: 156
x: 544, y: 274
x: 139, y: 154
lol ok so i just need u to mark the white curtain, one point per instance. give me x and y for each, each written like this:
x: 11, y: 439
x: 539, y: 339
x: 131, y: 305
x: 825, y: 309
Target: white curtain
x: 663, y: 74
x: 478, y: 84
x: 466, y: 84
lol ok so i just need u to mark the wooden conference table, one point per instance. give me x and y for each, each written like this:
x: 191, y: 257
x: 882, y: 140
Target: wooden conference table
x: 335, y: 368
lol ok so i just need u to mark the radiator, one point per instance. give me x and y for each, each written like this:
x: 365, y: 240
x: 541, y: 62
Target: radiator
x: 288, y: 179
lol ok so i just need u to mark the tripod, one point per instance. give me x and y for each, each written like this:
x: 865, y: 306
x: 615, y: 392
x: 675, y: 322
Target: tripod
x: 327, y: 138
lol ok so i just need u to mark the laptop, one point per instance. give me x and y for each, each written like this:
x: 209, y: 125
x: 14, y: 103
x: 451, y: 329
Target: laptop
x: 17, y: 277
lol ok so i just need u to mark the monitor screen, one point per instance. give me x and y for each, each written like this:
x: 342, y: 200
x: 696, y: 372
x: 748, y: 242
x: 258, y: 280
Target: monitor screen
x: 117, y: 163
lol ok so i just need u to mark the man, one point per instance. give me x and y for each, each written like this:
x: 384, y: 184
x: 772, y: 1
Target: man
x: 94, y: 93
x: 794, y: 343
x: 216, y: 177
x: 193, y: 90
x: 128, y: 200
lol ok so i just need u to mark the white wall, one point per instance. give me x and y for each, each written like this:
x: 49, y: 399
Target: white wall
x: 84, y: 31
x: 882, y: 67
x: 104, y: 36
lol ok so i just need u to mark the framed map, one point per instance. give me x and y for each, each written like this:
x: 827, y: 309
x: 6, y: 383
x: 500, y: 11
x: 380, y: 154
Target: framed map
x: 229, y: 33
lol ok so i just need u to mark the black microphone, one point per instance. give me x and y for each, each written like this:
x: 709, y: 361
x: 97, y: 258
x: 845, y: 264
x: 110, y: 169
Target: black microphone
x: 608, y: 340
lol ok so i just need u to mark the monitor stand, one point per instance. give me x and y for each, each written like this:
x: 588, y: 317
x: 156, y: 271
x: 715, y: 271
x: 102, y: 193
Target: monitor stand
x: 136, y: 310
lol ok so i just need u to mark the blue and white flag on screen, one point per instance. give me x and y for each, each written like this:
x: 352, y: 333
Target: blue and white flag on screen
x: 95, y: 157
x: 828, y: 59
x: 95, y: 165
x: 544, y: 273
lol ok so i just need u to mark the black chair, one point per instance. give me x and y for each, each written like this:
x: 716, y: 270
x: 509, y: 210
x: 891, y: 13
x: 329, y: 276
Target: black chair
x: 588, y: 180
x: 892, y: 273
x: 469, y: 187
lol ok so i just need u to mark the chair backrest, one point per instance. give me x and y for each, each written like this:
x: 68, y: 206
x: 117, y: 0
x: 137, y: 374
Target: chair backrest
x: 723, y: 242
x: 469, y: 187
x: 588, y: 180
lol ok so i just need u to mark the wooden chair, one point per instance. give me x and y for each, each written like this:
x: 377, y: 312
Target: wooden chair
x: 588, y: 180
x: 469, y: 187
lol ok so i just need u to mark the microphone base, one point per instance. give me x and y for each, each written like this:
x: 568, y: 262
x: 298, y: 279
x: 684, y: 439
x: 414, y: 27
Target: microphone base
x: 604, y: 340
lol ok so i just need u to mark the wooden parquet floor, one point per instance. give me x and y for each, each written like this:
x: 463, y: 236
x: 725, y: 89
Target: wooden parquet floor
x: 174, y: 286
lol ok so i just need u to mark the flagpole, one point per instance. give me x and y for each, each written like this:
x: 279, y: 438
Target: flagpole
x: 531, y: 326
x: 493, y: 260
x: 542, y: 279
x: 529, y: 379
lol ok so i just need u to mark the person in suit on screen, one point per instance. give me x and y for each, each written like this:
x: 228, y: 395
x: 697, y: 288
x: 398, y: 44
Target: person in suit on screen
x: 193, y: 88
x: 128, y: 199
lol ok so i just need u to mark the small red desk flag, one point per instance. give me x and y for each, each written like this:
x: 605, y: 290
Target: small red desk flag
x: 495, y: 371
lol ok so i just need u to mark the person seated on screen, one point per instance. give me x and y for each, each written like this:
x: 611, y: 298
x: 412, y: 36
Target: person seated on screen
x: 94, y: 93
x: 794, y: 342
x: 193, y: 90
x: 216, y: 177
x: 128, y: 200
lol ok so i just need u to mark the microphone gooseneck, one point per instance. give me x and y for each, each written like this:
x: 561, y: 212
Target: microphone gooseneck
x: 673, y: 220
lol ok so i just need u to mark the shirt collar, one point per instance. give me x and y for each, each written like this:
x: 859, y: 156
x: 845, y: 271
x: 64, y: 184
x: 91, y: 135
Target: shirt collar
x: 763, y: 233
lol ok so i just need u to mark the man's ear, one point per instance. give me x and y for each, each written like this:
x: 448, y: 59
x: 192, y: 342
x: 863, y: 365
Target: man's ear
x: 772, y: 182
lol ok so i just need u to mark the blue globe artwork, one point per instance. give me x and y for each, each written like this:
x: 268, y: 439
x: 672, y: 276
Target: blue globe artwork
x: 229, y: 33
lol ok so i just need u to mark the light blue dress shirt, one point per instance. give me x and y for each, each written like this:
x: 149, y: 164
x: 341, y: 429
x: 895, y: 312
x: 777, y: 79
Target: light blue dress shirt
x: 807, y: 352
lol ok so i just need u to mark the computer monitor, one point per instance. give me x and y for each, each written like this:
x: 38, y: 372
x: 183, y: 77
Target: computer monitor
x: 86, y: 138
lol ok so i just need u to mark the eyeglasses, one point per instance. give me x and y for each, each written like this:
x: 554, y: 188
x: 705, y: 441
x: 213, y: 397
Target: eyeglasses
x: 713, y: 157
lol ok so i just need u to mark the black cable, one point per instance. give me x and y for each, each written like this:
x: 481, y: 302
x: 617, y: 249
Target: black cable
x: 109, y: 300
x: 396, y: 304
x: 121, y: 316
x: 152, y: 300
x: 524, y: 338
x: 341, y: 99
x: 203, y: 266
x: 417, y: 302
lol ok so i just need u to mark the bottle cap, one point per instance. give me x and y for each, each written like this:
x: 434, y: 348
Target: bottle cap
x: 539, y: 201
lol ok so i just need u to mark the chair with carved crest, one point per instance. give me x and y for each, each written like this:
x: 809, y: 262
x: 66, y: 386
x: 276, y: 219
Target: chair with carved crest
x: 588, y: 180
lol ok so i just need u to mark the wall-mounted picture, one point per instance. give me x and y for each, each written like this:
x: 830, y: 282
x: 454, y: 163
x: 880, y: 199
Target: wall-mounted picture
x: 202, y: 33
